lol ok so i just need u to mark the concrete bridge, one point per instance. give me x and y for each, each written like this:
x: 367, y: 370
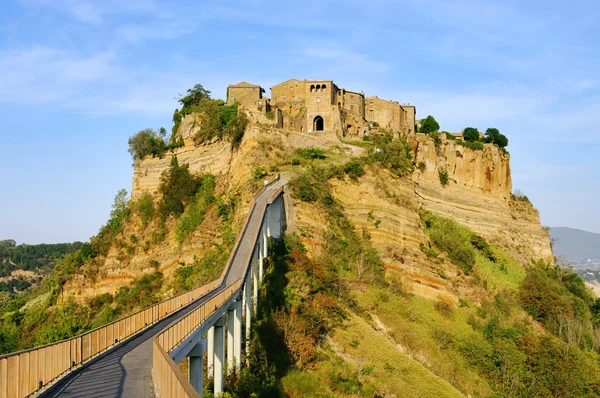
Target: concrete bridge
x: 137, y: 356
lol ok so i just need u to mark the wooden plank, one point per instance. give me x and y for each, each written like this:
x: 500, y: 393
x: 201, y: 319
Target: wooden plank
x: 13, y: 377
x: 86, y: 345
x: 3, y: 378
x: 24, y: 374
x: 94, y: 342
x: 41, y: 374
x: 33, y: 372
x: 102, y: 339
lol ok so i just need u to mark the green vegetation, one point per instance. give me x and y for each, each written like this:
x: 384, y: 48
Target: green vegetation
x: 443, y: 176
x: 475, y: 145
x: 471, y: 134
x: 40, y: 257
x: 145, y: 208
x: 449, y: 136
x: 310, y: 153
x: 429, y: 125
x: 473, y: 140
x: 520, y: 196
x: 493, y: 136
x: 219, y: 121
x: 177, y: 188
x: 450, y: 237
x: 195, y: 211
x: 40, y: 324
x: 148, y: 142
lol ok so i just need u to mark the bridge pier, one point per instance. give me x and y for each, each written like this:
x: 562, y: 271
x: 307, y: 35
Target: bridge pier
x: 219, y: 360
x: 248, y: 308
x: 195, y: 358
x: 210, y: 355
x: 237, y: 332
x: 230, y: 338
x: 254, y: 280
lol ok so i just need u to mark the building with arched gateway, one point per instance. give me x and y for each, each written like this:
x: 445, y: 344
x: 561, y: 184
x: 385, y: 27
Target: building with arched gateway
x: 310, y: 106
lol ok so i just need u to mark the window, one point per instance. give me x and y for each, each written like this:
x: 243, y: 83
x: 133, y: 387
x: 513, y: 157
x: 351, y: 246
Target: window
x: 318, y: 99
x: 323, y: 87
x: 312, y: 88
x: 318, y: 88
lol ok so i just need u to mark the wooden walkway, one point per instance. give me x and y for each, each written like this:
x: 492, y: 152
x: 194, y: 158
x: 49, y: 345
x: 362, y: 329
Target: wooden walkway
x: 126, y: 370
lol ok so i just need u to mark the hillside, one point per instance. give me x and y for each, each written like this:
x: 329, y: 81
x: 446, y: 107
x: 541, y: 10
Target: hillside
x: 576, y: 246
x: 408, y: 268
x: 24, y: 265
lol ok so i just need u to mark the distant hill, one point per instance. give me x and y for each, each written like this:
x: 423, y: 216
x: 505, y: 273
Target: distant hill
x: 34, y: 260
x: 575, y: 245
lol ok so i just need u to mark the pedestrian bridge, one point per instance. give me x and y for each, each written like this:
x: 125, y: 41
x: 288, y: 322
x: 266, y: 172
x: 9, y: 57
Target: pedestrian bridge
x: 137, y: 356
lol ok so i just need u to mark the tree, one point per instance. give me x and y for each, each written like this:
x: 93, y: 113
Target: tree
x: 147, y: 142
x: 194, y: 95
x: 429, y: 125
x: 119, y: 212
x: 493, y: 136
x: 471, y: 134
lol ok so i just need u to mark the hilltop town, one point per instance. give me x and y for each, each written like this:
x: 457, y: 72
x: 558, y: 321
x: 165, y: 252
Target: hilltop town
x: 320, y: 105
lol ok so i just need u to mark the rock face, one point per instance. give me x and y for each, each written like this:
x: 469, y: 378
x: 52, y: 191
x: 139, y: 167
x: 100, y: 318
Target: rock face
x: 478, y: 196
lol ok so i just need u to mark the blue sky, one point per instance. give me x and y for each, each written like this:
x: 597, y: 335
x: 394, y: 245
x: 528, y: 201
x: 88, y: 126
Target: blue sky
x: 78, y: 77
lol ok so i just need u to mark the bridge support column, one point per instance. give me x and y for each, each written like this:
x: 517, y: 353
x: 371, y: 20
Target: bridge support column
x: 219, y: 355
x: 237, y: 333
x: 254, y: 280
x: 196, y: 375
x: 261, y: 257
x: 210, y: 352
x: 230, y: 338
x: 247, y: 307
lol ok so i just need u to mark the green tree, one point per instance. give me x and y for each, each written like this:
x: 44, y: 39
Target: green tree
x: 429, y: 125
x: 119, y: 212
x: 471, y: 134
x: 493, y: 136
x: 147, y: 142
x: 194, y: 95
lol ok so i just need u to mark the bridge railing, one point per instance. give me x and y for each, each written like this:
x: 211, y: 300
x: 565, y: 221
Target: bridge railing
x: 26, y: 372
x: 169, y: 380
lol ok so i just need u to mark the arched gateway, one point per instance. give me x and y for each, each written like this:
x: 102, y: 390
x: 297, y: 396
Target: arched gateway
x: 318, y: 124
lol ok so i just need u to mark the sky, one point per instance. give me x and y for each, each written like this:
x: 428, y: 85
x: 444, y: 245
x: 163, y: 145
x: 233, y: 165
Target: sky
x: 79, y: 77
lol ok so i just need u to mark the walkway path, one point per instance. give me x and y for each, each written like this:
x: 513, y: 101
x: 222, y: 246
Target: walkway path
x: 126, y: 370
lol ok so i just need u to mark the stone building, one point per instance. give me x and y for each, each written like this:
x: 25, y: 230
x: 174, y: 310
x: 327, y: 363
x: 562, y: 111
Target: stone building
x: 320, y: 105
x: 390, y: 114
x: 250, y: 96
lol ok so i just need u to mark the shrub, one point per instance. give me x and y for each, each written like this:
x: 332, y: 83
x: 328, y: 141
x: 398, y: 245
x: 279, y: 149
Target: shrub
x: 393, y: 154
x: 450, y: 136
x: 177, y: 187
x: 471, y: 134
x: 443, y: 175
x: 475, y: 145
x: 429, y: 125
x: 311, y: 153
x: 422, y: 166
x: 436, y: 138
x: 194, y: 213
x: 354, y: 169
x: 145, y: 208
x: 147, y: 142
x: 519, y: 195
x: 235, y: 128
x: 119, y: 212
x: 258, y: 173
x: 450, y: 237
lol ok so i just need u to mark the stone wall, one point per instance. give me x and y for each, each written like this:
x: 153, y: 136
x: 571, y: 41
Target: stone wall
x: 388, y: 114
x: 248, y: 95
